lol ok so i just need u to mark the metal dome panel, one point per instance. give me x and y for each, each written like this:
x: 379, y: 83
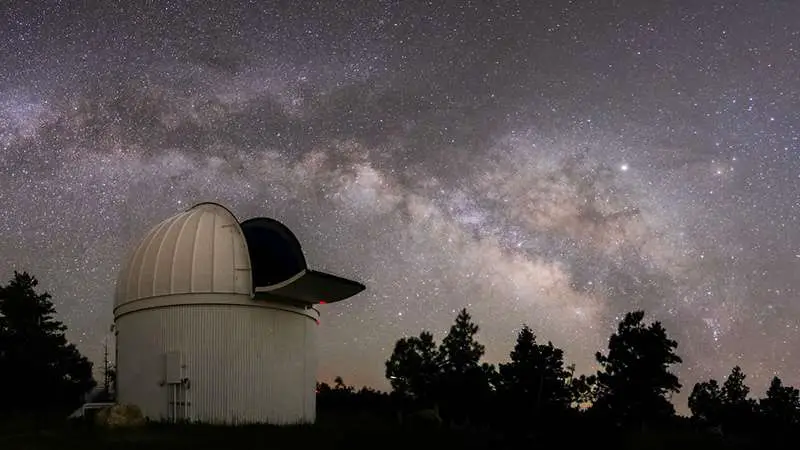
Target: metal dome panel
x: 201, y: 250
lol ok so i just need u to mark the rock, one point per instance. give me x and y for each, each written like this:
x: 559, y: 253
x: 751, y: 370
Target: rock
x: 120, y: 416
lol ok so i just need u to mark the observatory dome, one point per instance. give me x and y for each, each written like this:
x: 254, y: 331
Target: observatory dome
x: 200, y: 284
x: 201, y: 250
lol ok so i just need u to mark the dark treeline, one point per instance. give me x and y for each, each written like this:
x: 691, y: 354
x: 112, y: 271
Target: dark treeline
x: 41, y: 374
x: 535, y: 392
x: 444, y: 384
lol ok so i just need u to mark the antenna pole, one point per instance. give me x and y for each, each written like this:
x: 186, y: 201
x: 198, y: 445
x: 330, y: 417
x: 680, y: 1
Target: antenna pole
x: 106, y: 381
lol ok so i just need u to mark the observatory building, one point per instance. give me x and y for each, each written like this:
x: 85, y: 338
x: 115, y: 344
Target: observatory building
x: 215, y: 321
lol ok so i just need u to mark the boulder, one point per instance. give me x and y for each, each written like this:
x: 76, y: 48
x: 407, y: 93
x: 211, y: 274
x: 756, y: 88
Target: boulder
x: 120, y: 416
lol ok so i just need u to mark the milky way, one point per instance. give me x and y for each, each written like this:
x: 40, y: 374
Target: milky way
x: 555, y: 165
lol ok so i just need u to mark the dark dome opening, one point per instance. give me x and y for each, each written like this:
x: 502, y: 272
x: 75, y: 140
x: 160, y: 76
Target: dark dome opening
x: 275, y: 252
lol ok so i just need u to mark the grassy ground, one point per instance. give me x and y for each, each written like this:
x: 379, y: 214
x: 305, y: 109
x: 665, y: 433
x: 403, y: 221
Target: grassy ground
x: 339, y: 432
x: 329, y: 433
x: 206, y: 437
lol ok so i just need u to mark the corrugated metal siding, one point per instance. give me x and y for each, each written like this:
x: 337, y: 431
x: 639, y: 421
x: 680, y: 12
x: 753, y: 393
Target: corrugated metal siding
x: 245, y: 364
x: 311, y: 369
x: 200, y: 250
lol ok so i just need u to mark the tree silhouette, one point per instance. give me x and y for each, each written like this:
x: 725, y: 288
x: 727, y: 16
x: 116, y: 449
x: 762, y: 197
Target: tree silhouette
x: 535, y: 383
x: 535, y: 389
x: 738, y: 410
x: 781, y: 406
x: 465, y: 384
x: 583, y: 389
x: 323, y: 388
x: 728, y: 405
x: 460, y: 352
x: 338, y: 384
x: 40, y: 370
x: 343, y: 398
x: 735, y: 391
x: 413, y: 368
x: 634, y: 382
x: 492, y: 376
x: 706, y: 402
x: 108, y: 387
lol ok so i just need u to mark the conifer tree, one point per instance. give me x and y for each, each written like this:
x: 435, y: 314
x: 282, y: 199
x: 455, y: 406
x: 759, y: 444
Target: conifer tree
x: 464, y: 384
x: 40, y: 370
x: 635, y: 379
x: 738, y: 410
x: 781, y: 405
x: 535, y: 381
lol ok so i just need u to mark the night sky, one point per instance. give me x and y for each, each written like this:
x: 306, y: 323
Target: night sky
x: 550, y: 163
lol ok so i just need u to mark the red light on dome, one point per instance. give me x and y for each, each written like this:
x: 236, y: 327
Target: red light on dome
x: 323, y: 302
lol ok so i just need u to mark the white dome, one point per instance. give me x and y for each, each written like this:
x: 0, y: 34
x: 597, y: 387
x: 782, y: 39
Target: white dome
x: 201, y: 250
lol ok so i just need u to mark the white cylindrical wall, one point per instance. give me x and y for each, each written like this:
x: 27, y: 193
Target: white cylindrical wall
x: 245, y: 361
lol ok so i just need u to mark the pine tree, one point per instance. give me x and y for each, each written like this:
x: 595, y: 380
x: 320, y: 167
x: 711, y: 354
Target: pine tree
x: 781, y: 406
x: 460, y: 352
x: 738, y: 410
x: 535, y: 382
x: 635, y: 379
x: 464, y: 383
x: 40, y: 369
x: 735, y: 391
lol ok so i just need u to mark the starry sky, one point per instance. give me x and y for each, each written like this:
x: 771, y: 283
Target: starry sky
x: 550, y: 163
